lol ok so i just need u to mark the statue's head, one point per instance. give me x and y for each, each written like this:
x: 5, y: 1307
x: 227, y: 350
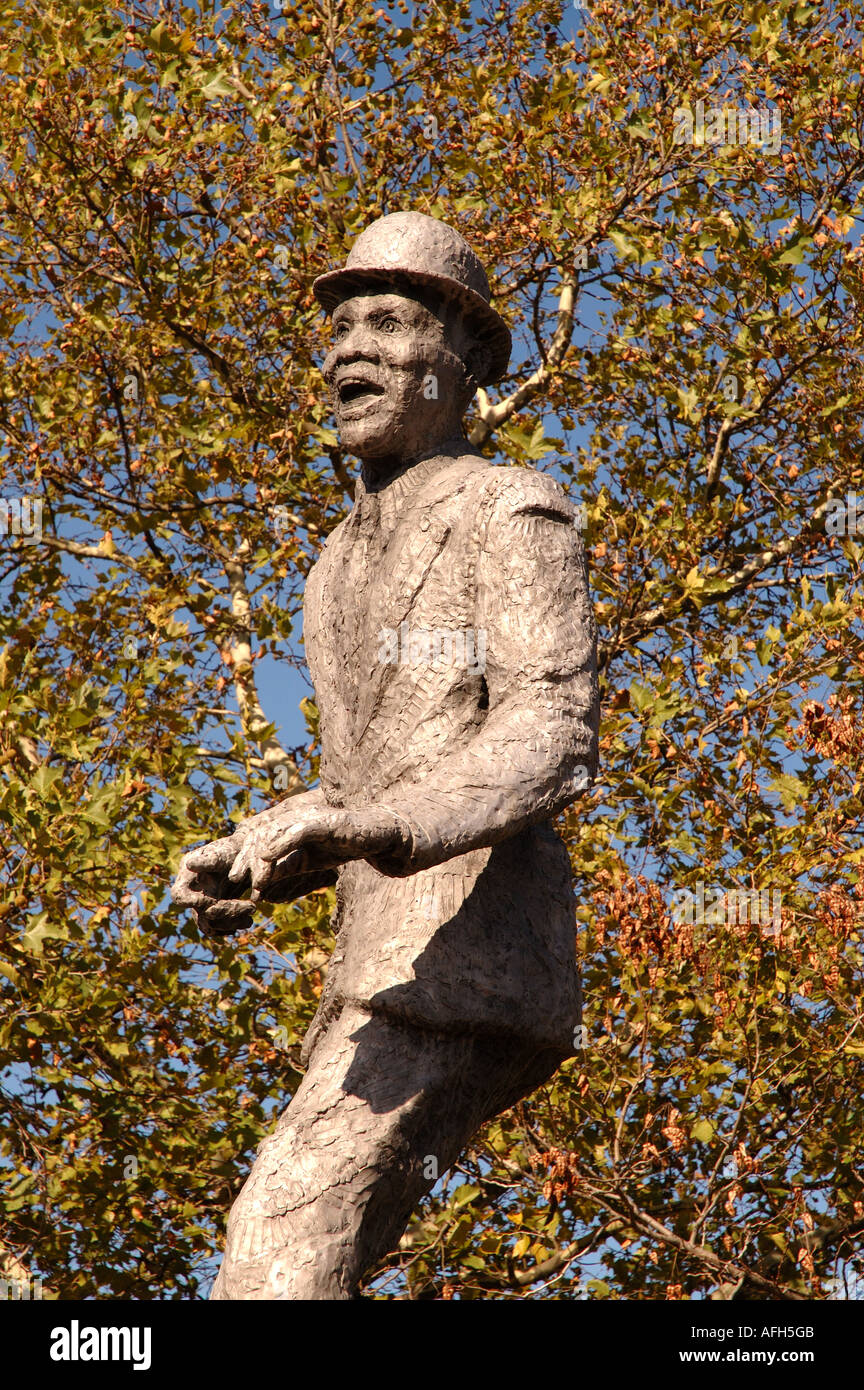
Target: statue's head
x: 414, y: 335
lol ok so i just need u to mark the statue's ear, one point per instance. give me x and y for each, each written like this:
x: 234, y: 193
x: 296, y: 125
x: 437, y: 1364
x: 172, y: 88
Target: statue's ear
x: 478, y: 360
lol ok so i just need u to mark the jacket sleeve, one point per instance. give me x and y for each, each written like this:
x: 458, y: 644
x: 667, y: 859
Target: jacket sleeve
x: 537, y: 749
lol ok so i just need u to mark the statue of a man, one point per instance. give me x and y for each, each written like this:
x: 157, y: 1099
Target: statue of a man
x: 450, y: 640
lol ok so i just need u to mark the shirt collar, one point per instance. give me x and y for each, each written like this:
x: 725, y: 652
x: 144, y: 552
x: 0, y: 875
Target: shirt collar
x: 392, y: 493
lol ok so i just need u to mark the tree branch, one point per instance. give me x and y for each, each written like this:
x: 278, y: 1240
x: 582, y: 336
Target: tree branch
x: 739, y: 579
x: 731, y: 1270
x: 252, y: 716
x: 92, y: 552
x: 491, y: 416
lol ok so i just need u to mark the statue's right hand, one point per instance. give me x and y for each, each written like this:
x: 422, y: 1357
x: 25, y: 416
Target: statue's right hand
x: 202, y: 884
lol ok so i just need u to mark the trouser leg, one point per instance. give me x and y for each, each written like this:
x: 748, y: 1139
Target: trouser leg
x: 333, y: 1187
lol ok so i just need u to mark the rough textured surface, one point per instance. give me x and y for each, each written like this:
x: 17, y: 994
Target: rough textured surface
x: 477, y: 937
x: 430, y: 253
x: 454, y: 989
x: 333, y: 1187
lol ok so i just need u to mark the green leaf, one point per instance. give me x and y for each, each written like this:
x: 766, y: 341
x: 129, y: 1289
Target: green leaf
x: 641, y: 698
x: 795, y: 252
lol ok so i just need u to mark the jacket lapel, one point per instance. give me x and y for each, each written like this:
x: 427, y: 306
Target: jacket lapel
x: 417, y: 541
x: 412, y: 564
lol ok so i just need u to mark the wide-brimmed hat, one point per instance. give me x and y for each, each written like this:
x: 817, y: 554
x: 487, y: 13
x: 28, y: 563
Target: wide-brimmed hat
x: 411, y: 246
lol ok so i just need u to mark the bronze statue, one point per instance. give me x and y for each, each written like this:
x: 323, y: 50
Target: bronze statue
x: 450, y: 639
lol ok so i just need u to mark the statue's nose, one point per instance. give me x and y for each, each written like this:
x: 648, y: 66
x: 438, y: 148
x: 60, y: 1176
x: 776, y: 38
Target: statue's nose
x: 358, y: 344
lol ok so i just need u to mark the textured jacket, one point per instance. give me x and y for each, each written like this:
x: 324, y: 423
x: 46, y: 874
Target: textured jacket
x: 451, y: 643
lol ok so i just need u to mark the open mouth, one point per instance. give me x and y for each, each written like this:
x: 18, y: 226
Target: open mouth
x: 356, y: 391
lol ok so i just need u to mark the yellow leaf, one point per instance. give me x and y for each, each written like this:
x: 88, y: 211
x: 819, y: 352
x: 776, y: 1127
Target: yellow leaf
x: 694, y: 579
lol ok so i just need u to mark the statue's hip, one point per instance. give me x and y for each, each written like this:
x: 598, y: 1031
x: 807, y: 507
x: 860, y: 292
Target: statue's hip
x: 483, y: 943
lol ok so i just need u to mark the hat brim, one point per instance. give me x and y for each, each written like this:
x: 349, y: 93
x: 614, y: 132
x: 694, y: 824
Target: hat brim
x: 337, y: 285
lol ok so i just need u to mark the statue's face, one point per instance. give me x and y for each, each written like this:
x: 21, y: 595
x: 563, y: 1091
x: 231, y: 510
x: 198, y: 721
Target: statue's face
x: 396, y: 375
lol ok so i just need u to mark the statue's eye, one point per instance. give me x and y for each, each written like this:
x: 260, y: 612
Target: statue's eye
x: 389, y: 325
x: 339, y: 331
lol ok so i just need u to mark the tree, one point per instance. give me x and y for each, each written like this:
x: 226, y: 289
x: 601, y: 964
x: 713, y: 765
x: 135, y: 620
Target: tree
x: 686, y: 284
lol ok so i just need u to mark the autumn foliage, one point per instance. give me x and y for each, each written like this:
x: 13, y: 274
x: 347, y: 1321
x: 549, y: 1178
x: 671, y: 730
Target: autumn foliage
x: 688, y: 361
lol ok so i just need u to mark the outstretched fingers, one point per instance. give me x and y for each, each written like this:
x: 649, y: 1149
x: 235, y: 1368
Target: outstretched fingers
x: 194, y: 888
x: 202, y: 886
